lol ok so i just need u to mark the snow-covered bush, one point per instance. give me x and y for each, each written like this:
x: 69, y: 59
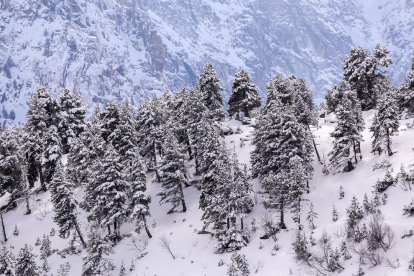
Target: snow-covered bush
x: 239, y: 265
x: 409, y: 209
x: 232, y: 239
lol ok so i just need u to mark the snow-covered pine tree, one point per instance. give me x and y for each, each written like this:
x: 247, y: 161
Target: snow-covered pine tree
x: 45, y: 249
x: 174, y: 170
x: 385, y: 121
x: 344, y: 251
x: 26, y: 263
x: 99, y: 247
x: 334, y: 95
x: 298, y: 179
x: 355, y: 213
x: 64, y: 269
x: 149, y: 126
x: 209, y: 86
x: 300, y: 247
x: 11, y: 161
x: 72, y: 118
x: 52, y: 153
x: 406, y: 92
x: 277, y: 186
x: 333, y: 262
x: 334, y: 214
x: 122, y: 271
x: 244, y: 96
x: 341, y: 192
x: 105, y: 195
x: 65, y: 205
x: 239, y: 265
x: 7, y: 262
x: 139, y: 198
x: 311, y: 217
x: 110, y: 119
x: 347, y: 135
x: 361, y: 71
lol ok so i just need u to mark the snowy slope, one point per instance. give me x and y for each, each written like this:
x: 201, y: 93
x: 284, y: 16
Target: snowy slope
x: 196, y: 253
x: 106, y: 49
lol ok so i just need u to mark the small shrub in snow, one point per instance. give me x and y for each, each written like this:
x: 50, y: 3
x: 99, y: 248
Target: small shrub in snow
x: 380, y: 234
x: 300, y: 247
x: 333, y: 262
x: 382, y: 185
x: 122, y: 271
x: 16, y: 231
x: 355, y: 213
x: 409, y: 210
x: 383, y: 165
x: 341, y: 192
x: 254, y: 227
x: 384, y: 198
x: 238, y: 266
x: 376, y: 201
x: 360, y: 272
x: 325, y: 169
x: 38, y: 242
x: 232, y: 239
x: 52, y: 232
x: 311, y: 216
x: 64, y: 269
x: 334, y: 214
x: 132, y: 267
x: 405, y: 179
x: 408, y: 233
x: 344, y: 251
x: 269, y: 226
x: 221, y: 262
x: 368, y: 206
x: 242, y: 143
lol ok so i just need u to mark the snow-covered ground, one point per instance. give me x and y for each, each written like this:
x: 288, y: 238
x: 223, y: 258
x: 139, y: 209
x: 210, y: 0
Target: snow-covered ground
x: 196, y: 254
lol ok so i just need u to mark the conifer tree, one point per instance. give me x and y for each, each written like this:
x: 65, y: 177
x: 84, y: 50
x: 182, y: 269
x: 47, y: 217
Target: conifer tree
x: 239, y: 265
x: 26, y: 263
x: 333, y: 262
x: 52, y: 153
x: 64, y: 269
x: 105, y: 195
x: 7, y: 262
x: 341, y: 192
x: 311, y: 216
x: 277, y: 186
x: 406, y: 92
x: 344, y: 251
x: 209, y: 86
x: 355, y: 213
x: 72, y: 118
x: 11, y: 169
x: 244, y: 96
x: 65, y: 205
x: 334, y: 214
x: 110, y: 119
x: 99, y: 247
x: 139, y: 198
x: 174, y: 173
x: 45, y: 249
x: 347, y: 136
x: 385, y: 121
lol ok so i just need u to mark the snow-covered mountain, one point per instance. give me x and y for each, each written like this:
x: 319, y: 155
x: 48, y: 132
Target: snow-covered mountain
x: 133, y: 48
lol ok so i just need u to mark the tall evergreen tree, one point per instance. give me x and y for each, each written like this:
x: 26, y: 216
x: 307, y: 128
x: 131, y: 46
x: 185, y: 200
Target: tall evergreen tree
x: 209, y: 86
x: 139, y: 198
x: 52, y: 153
x: 277, y: 186
x: 406, y: 92
x: 96, y: 263
x: 65, y: 205
x: 174, y: 173
x: 7, y: 262
x: 385, y: 121
x: 11, y: 169
x: 26, y: 263
x: 347, y: 135
x: 361, y: 71
x: 105, y: 195
x: 72, y: 118
x: 244, y: 96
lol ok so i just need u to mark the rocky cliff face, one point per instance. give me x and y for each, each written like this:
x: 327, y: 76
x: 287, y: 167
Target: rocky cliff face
x: 133, y: 48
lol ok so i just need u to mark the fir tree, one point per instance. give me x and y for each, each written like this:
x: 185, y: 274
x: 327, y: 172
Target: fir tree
x: 333, y: 262
x: 334, y: 214
x: 45, y: 249
x: 109, y: 121
x: 355, y: 213
x: 300, y: 247
x: 15, y: 231
x: 139, y: 198
x: 51, y: 154
x: 244, y: 96
x: 277, y: 186
x: 64, y: 269
x: 65, y: 205
x: 11, y: 169
x: 311, y: 216
x: 7, y: 262
x: 106, y: 193
x: 239, y: 265
x: 122, y: 271
x: 209, y: 86
x: 26, y: 263
x: 341, y: 192
x: 385, y: 121
x: 347, y: 136
x: 360, y: 272
x: 72, y: 118
x: 406, y: 92
x: 96, y: 263
x: 344, y: 251
x: 174, y: 173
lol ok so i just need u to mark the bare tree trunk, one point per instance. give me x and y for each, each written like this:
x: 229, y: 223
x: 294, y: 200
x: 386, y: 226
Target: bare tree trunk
x: 189, y: 149
x: 109, y: 229
x: 355, y: 152
x: 241, y: 224
x: 314, y: 145
x: 146, y: 227
x: 182, y: 198
x: 79, y: 233
x: 28, y: 211
x: 4, y: 229
x: 228, y: 223
x: 41, y: 177
x: 246, y: 112
x: 282, y: 216
x: 156, y: 164
x: 197, y: 166
x: 389, y: 143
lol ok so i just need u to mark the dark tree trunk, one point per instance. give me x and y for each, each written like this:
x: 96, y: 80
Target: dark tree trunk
x: 307, y: 187
x: 359, y: 151
x: 355, y: 152
x: 314, y: 145
x: 4, y: 229
x: 241, y: 224
x: 182, y: 198
x: 197, y: 166
x: 79, y: 233
x: 389, y: 143
x: 41, y: 177
x: 282, y: 216
x: 28, y: 211
x: 246, y: 112
x: 156, y: 164
x: 146, y: 227
x: 228, y: 223
x: 190, y: 154
x: 109, y: 229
